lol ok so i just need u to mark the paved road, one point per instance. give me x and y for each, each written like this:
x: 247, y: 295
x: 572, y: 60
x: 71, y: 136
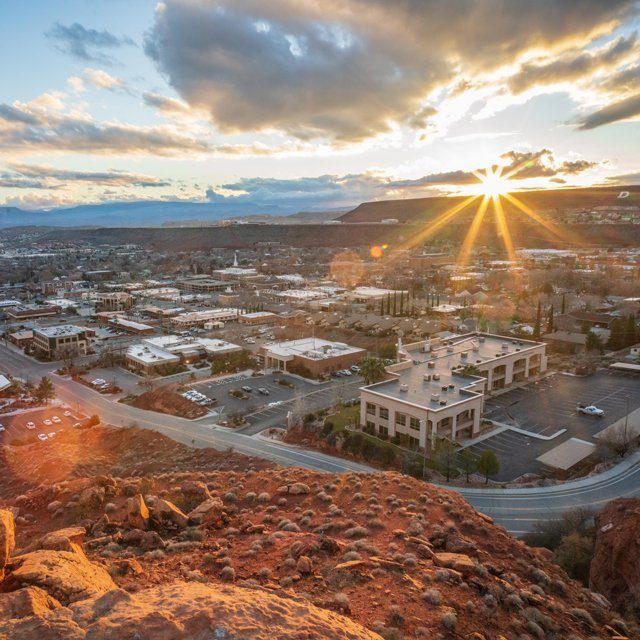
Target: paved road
x: 517, y: 509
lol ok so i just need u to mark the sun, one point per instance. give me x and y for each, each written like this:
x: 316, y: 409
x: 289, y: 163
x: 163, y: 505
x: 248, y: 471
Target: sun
x: 492, y: 183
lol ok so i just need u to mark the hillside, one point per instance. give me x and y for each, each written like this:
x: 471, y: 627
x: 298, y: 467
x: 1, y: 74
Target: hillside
x: 231, y: 549
x: 424, y: 209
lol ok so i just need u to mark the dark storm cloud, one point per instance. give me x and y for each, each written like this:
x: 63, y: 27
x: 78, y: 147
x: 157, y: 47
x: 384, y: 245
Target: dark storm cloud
x: 85, y: 44
x: 349, y: 69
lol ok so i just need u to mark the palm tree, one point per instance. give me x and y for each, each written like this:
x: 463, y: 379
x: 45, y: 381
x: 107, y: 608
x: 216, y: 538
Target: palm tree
x: 372, y: 370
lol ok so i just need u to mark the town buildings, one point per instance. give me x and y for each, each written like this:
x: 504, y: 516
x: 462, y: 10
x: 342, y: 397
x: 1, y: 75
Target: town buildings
x: 50, y: 342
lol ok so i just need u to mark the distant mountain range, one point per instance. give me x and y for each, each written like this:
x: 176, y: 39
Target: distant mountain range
x: 155, y: 214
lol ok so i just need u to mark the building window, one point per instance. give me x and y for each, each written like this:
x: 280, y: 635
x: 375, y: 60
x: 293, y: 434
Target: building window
x: 384, y: 413
x: 414, y: 423
x: 383, y: 431
x: 370, y: 427
x: 371, y: 409
x: 401, y: 419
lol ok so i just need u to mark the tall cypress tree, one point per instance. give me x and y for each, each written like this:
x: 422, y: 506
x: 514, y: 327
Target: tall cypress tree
x: 536, y: 327
x: 550, y: 320
x: 562, y: 308
x: 630, y: 333
x: 395, y: 298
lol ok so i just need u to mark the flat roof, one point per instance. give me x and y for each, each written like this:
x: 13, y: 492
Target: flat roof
x: 311, y: 348
x: 149, y: 354
x: 131, y: 324
x: 441, y: 360
x: 60, y: 331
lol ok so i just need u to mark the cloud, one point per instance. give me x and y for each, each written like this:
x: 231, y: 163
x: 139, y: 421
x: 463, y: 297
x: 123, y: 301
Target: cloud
x: 85, y: 44
x: 103, y: 80
x: 615, y: 112
x: 166, y: 105
x: 53, y: 177
x: 44, y: 125
x: 572, y: 65
x: 625, y: 178
x: 540, y: 164
x: 347, y: 70
x: 339, y: 191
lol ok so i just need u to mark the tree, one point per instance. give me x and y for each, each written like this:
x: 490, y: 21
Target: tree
x: 468, y: 463
x: 563, y: 305
x: 68, y: 354
x: 45, y: 390
x: 445, y: 457
x: 372, y: 370
x: 630, y: 331
x: 550, y: 320
x: 616, y: 336
x: 488, y: 464
x: 593, y: 342
x: 537, y: 325
x: 574, y: 555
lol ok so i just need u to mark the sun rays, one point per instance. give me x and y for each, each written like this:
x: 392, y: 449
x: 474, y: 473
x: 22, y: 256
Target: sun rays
x: 492, y: 191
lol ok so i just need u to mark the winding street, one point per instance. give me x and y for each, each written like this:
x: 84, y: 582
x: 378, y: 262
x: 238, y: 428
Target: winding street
x: 516, y: 509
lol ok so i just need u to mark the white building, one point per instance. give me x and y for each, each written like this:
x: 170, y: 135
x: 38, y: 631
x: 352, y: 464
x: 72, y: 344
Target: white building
x: 319, y: 357
x: 438, y: 389
x: 154, y: 354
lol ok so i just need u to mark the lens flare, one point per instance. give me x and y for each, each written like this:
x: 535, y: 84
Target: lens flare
x: 376, y: 252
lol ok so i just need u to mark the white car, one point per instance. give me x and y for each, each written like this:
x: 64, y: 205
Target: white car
x: 30, y: 425
x: 47, y: 423
x: 1, y: 428
x: 56, y: 419
x: 590, y: 410
x: 42, y: 436
x: 346, y: 372
x: 67, y: 414
x: 52, y: 434
x: 277, y: 403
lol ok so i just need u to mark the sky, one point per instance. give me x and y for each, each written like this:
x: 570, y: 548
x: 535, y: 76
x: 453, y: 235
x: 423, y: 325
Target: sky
x: 313, y: 104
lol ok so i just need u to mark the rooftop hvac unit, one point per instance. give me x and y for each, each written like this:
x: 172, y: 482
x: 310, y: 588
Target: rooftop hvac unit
x: 464, y: 355
x: 444, y: 387
x: 404, y: 387
x: 436, y: 376
x: 435, y: 397
x: 452, y: 387
x: 416, y: 362
x: 431, y: 365
x: 427, y: 377
x: 450, y: 349
x: 517, y: 348
x: 443, y: 403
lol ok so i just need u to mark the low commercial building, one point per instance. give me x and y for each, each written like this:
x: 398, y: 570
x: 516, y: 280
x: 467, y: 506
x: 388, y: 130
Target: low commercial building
x: 258, y: 317
x: 438, y: 388
x: 116, y: 301
x: 31, y: 312
x: 163, y: 353
x: 51, y: 341
x: 198, y: 318
x: 205, y: 285
x: 313, y: 355
x: 119, y: 323
x: 369, y: 294
x: 22, y: 338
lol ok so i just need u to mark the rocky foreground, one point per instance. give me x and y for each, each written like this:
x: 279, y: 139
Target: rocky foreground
x: 233, y: 552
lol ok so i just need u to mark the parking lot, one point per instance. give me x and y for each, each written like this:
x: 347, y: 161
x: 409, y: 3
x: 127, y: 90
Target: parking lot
x: 29, y: 426
x: 263, y: 410
x: 550, y: 405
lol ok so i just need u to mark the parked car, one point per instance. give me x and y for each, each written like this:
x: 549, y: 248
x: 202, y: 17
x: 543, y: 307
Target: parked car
x: 42, y: 437
x: 1, y: 428
x: 247, y: 388
x: 30, y: 425
x: 47, y: 423
x: 263, y: 391
x: 56, y: 419
x: 590, y: 410
x: 67, y: 414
